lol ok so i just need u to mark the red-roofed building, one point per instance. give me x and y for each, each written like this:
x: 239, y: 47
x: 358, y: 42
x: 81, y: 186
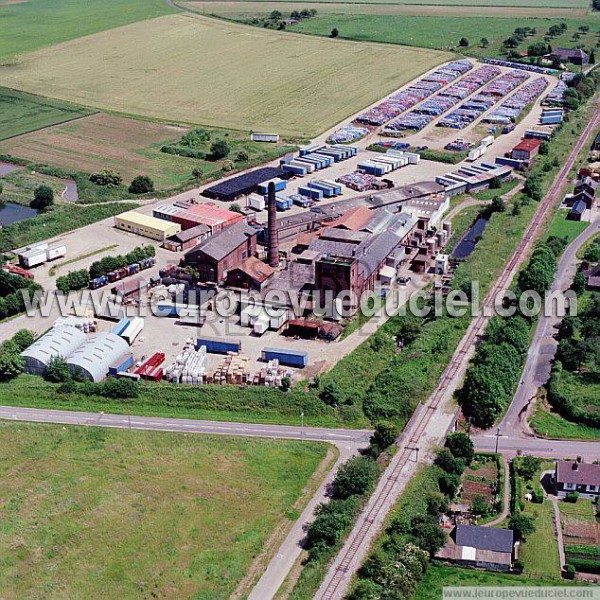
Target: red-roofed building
x: 526, y: 149
x: 214, y: 217
x: 354, y: 219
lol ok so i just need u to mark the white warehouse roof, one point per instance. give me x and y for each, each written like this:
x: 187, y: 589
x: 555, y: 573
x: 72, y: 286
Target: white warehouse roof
x: 60, y: 341
x: 97, y: 354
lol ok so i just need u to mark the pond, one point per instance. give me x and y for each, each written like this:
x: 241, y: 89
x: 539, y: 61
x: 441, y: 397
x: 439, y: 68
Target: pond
x: 12, y: 213
x: 469, y: 240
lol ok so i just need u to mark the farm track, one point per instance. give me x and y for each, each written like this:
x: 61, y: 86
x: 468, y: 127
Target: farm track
x: 348, y: 560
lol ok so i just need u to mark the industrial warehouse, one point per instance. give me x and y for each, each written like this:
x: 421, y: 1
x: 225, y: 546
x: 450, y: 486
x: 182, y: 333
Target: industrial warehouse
x: 296, y: 245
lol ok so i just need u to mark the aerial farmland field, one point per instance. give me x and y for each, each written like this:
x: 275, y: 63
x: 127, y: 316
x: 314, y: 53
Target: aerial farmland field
x: 475, y: 3
x: 91, y: 512
x: 192, y: 69
x: 128, y: 146
x: 21, y: 113
x: 32, y: 24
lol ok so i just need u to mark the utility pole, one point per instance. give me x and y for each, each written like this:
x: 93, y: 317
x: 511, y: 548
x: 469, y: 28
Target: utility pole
x: 497, y: 439
x: 302, y: 426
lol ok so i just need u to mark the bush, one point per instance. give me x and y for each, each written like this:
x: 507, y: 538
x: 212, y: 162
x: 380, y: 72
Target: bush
x: 570, y: 571
x: 384, y: 436
x: 43, y: 197
x: 74, y: 280
x: 355, y: 477
x: 332, y: 520
x: 461, y: 446
x: 528, y: 467
x: 107, y: 178
x: 449, y: 463
x: 23, y: 339
x: 522, y: 525
x: 11, y: 361
x: 57, y: 371
x: 449, y: 484
x: 218, y: 150
x: 572, y: 497
x: 119, y: 388
x: 142, y: 184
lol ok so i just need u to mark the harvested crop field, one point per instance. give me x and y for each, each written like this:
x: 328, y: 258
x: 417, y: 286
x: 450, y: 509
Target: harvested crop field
x: 90, y: 512
x: 21, y: 113
x: 192, y: 69
x: 129, y: 146
x: 477, y: 4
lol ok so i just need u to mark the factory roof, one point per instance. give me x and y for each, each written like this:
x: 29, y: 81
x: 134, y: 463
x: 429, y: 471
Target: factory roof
x: 190, y: 234
x: 343, y: 235
x: 98, y: 354
x: 167, y: 209
x: 59, y: 341
x: 528, y: 144
x: 211, y: 214
x: 223, y: 243
x: 243, y: 184
x: 146, y: 221
x: 353, y: 219
x: 256, y: 269
x: 407, y: 192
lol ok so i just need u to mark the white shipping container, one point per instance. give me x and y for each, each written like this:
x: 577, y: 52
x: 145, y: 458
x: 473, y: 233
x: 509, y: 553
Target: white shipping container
x: 264, y: 137
x: 278, y: 321
x: 413, y: 158
x: 41, y: 246
x: 133, y: 330
x: 33, y: 257
x: 256, y: 202
x: 488, y: 141
x: 56, y: 252
x: 261, y: 326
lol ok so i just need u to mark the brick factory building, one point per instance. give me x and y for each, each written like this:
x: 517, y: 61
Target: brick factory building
x: 214, y: 217
x: 223, y: 252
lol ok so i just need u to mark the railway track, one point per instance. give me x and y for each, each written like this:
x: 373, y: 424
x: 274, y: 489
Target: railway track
x: 347, y: 562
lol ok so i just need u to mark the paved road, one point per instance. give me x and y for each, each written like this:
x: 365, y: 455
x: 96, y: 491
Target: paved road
x: 543, y: 347
x: 342, y: 437
x: 510, y: 446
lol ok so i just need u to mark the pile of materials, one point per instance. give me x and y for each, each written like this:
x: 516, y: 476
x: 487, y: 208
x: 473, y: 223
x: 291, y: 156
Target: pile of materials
x: 347, y: 134
x: 442, y: 102
x: 189, y: 367
x: 512, y: 107
x: 361, y: 182
x: 234, y: 369
x: 272, y: 375
x: 417, y: 92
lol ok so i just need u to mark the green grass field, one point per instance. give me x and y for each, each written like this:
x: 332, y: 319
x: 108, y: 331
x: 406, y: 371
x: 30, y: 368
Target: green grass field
x: 91, y: 512
x: 554, y: 426
x: 33, y: 24
x: 439, y: 576
x: 565, y: 229
x: 474, y: 3
x: 435, y: 32
x: 21, y: 113
x: 582, y: 510
x: 226, y: 75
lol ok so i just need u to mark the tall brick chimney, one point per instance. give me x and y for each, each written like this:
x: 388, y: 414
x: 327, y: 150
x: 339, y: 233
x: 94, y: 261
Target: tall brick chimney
x: 273, y: 249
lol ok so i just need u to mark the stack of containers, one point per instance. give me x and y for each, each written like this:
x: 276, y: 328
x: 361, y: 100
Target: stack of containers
x: 556, y: 96
x: 311, y: 193
x: 189, y: 367
x: 412, y: 158
x: 329, y: 188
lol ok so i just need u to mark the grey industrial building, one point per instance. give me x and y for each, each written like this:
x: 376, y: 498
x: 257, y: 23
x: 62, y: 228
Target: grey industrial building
x: 96, y: 355
x: 59, y: 342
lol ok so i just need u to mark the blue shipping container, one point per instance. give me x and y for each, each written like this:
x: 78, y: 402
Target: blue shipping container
x: 121, y: 326
x: 219, y: 346
x: 294, y: 169
x: 311, y: 193
x: 124, y: 363
x: 291, y: 358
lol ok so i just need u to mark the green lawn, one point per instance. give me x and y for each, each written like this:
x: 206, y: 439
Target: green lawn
x: 582, y: 510
x: 19, y: 186
x: 439, y: 576
x: 490, y: 193
x: 30, y: 25
x: 435, y: 32
x: 565, y: 229
x: 554, y: 426
x: 92, y: 512
x: 21, y: 113
x: 546, y: 564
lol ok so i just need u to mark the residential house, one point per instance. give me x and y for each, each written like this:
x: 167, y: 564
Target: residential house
x: 577, y: 476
